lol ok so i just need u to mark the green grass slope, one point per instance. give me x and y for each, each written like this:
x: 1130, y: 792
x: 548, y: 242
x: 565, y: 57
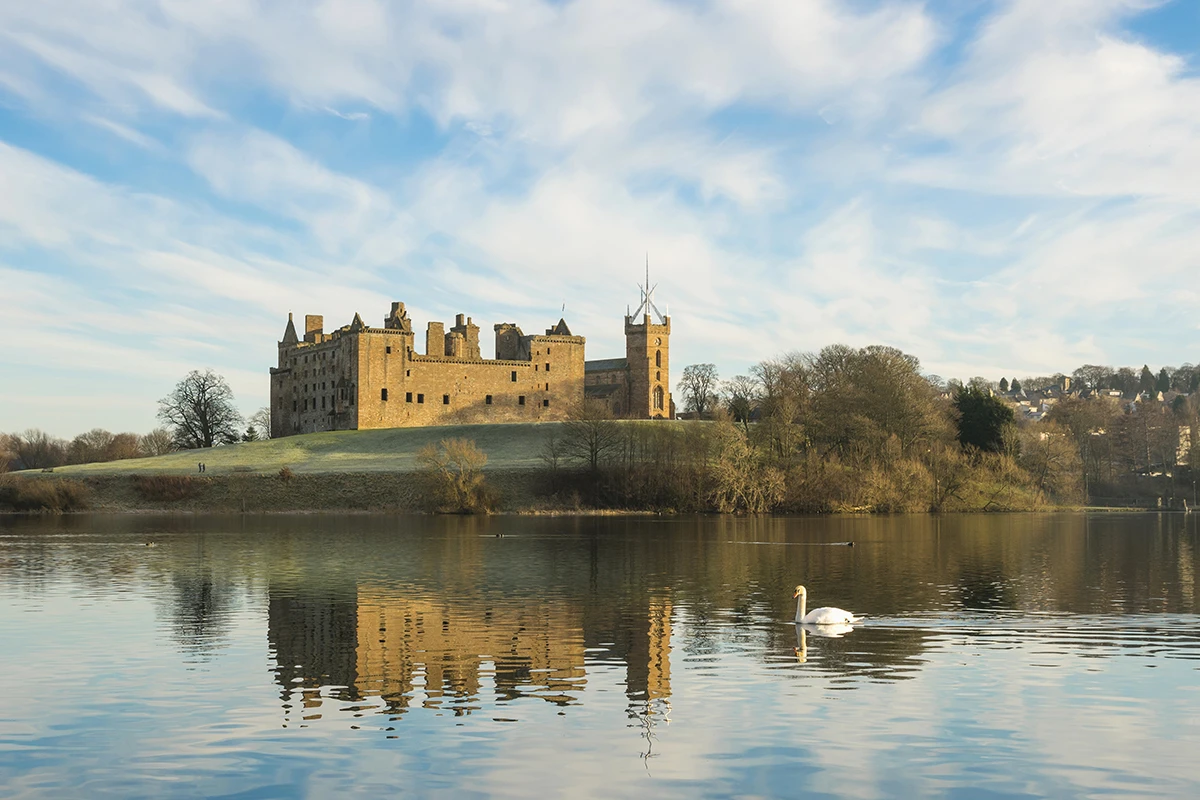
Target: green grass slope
x: 511, y: 446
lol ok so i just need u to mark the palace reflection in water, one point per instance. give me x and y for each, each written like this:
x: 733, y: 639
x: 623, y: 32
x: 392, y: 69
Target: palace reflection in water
x: 403, y: 648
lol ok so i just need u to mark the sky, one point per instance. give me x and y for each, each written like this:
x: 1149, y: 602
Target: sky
x: 1002, y: 188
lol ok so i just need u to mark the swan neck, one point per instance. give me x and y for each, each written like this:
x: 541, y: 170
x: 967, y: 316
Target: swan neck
x: 801, y: 606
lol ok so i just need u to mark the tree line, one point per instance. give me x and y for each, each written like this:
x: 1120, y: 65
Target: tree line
x: 1128, y: 381
x: 864, y: 428
x: 842, y: 429
x: 199, y: 412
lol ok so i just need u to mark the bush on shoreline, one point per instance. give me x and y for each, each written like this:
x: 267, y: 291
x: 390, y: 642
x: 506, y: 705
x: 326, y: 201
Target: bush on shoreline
x: 51, y: 495
x: 451, y: 474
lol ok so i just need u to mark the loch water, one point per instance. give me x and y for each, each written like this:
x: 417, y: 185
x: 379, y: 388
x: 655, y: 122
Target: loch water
x: 246, y: 656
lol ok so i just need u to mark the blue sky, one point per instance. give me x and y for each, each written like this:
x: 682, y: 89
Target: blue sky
x: 999, y: 188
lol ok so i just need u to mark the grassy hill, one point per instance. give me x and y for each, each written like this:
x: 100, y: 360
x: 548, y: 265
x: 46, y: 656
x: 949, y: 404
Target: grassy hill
x: 510, y: 446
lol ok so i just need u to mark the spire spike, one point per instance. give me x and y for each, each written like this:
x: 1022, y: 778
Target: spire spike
x: 646, y: 305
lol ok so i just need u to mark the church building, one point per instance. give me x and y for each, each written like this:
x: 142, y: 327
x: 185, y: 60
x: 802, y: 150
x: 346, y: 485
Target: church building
x: 637, y: 386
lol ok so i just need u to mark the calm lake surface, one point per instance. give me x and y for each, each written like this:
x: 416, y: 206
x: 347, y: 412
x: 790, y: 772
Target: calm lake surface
x: 298, y: 656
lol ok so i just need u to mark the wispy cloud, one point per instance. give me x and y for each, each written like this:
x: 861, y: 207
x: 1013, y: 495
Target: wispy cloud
x: 353, y: 116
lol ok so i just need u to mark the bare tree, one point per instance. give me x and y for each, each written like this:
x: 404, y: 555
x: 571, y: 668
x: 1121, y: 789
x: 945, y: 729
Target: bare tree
x: 157, y: 442
x: 699, y: 386
x: 37, y: 449
x: 1050, y: 456
x: 590, y: 436
x: 741, y: 398
x: 742, y: 481
x: 87, y: 448
x: 1092, y: 376
x: 784, y: 400
x: 200, y: 411
x: 8, y: 452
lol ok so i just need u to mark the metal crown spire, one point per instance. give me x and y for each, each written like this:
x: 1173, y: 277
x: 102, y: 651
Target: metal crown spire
x: 647, y: 305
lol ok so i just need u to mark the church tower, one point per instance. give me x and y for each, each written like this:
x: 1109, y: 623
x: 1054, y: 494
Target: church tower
x: 648, y: 353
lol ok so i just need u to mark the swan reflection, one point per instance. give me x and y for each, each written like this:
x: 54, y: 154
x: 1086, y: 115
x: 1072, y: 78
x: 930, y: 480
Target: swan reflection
x: 822, y: 631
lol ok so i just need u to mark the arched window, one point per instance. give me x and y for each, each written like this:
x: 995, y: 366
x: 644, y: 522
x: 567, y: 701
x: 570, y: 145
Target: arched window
x: 658, y: 358
x: 658, y: 398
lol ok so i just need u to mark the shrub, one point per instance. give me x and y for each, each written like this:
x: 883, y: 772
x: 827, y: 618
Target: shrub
x: 165, y: 488
x: 742, y: 482
x: 31, y: 494
x: 286, y: 474
x: 452, y: 474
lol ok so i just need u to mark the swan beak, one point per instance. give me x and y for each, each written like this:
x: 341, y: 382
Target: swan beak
x: 795, y: 595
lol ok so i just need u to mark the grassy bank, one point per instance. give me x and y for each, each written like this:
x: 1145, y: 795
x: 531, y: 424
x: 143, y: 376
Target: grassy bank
x: 508, y: 447
x: 236, y: 492
x: 334, y: 471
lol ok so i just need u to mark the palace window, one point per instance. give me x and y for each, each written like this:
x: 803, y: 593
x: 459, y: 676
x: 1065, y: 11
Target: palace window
x: 388, y: 349
x: 445, y: 399
x: 521, y: 400
x: 546, y: 403
x: 658, y: 358
x: 658, y: 398
x: 408, y: 397
x: 514, y: 376
x: 293, y: 405
x: 383, y: 394
x: 487, y: 401
x: 420, y: 398
x: 547, y: 366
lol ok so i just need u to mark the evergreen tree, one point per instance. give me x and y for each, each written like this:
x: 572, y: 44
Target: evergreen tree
x: 1016, y: 385
x: 1146, y: 381
x: 1004, y: 384
x: 982, y: 419
x: 1164, y: 381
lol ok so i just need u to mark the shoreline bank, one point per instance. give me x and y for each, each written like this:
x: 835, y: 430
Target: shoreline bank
x: 522, y: 493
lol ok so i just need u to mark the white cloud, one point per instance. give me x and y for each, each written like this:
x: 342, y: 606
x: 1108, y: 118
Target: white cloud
x: 352, y: 116
x: 1061, y: 102
x: 125, y: 132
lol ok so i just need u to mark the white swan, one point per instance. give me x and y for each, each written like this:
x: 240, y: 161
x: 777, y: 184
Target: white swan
x: 820, y: 616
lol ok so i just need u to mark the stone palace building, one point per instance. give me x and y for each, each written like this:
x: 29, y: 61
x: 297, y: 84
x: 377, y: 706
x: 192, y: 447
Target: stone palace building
x: 358, y: 377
